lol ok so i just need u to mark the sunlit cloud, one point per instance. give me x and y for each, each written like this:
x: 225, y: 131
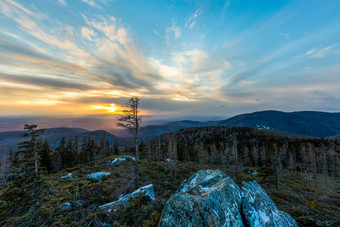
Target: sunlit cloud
x: 190, y: 62
x: 109, y: 109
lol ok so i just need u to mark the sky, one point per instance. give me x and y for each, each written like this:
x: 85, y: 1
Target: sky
x: 182, y: 58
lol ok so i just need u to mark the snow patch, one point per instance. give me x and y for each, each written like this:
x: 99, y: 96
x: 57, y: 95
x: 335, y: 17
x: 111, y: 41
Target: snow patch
x: 262, y: 126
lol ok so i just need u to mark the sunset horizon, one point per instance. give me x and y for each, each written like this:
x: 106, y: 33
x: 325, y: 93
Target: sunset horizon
x: 183, y: 58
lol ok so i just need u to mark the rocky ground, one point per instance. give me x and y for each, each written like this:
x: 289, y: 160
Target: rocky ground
x: 76, y: 199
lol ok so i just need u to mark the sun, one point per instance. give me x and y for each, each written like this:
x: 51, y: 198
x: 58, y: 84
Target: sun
x: 109, y: 109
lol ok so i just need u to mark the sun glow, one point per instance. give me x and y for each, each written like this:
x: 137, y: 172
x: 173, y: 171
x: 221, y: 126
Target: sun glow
x: 109, y: 109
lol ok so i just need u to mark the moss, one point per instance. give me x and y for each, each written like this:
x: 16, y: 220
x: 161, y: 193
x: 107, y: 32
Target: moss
x: 296, y: 196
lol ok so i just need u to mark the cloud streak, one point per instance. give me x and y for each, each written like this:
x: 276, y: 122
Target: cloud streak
x: 201, y: 60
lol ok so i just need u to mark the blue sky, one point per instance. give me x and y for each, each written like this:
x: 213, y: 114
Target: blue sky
x: 203, y: 58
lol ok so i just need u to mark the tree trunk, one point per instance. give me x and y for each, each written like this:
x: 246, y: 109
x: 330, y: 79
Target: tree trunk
x: 37, y: 203
x: 137, y: 163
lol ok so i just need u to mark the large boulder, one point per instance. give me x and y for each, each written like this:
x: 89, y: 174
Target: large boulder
x: 211, y: 198
x: 260, y: 210
x: 147, y: 191
x: 208, y: 198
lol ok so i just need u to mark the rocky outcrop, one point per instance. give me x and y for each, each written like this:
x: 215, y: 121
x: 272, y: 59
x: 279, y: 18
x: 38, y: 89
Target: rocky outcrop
x: 208, y: 198
x: 68, y: 176
x: 124, y: 200
x: 98, y: 175
x: 122, y: 158
x: 211, y: 198
x: 260, y: 210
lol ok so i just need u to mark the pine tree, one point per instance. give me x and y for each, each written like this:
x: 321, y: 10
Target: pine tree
x: 61, y: 150
x: 45, y: 157
x: 131, y: 121
x: 27, y: 186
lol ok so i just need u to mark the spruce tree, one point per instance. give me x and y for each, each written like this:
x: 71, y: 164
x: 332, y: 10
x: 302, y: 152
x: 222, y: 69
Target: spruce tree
x: 45, y: 157
x: 25, y: 190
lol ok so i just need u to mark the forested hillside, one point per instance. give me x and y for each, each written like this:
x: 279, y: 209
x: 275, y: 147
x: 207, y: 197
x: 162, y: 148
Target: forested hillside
x: 301, y: 175
x: 247, y: 147
x: 308, y: 123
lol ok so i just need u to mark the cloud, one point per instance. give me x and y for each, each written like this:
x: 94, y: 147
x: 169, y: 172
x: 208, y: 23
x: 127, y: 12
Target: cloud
x: 333, y: 49
x: 63, y: 2
x: 87, y: 33
x: 175, y: 30
x: 201, y: 61
x: 311, y: 51
x: 91, y: 3
x: 287, y: 36
x: 191, y: 22
x: 159, y: 35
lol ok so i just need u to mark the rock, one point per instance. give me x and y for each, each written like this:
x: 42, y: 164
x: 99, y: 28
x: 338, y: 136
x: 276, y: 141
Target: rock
x: 149, y: 192
x: 260, y: 210
x: 254, y: 173
x: 68, y: 176
x: 97, y: 176
x: 79, y: 203
x: 122, y: 159
x: 208, y: 198
x: 168, y: 160
x: 66, y: 206
x: 211, y: 198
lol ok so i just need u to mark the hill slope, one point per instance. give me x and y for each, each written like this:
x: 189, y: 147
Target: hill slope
x: 10, y: 140
x: 308, y: 123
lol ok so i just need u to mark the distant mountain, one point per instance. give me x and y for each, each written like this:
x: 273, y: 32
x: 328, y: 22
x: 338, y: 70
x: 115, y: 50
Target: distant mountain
x: 308, y: 123
x: 318, y: 124
x: 154, y: 130
x: 54, y: 135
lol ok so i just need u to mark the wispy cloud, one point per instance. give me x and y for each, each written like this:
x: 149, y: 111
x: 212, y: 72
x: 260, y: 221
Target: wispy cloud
x: 191, y: 22
x: 63, y: 2
x: 287, y: 36
x: 321, y: 53
x: 174, y: 30
x: 92, y: 3
x: 87, y: 33
x: 97, y: 58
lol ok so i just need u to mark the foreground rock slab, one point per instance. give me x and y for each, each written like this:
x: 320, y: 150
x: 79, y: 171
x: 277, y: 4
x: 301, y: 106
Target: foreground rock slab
x: 260, y: 210
x: 208, y: 198
x: 212, y: 198
x: 148, y: 190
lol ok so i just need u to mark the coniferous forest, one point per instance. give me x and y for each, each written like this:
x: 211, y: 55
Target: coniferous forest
x: 301, y: 174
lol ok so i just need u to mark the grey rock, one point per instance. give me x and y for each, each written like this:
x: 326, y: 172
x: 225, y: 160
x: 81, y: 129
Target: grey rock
x: 66, y: 206
x: 68, y: 176
x: 97, y: 176
x: 123, y: 158
x: 260, y: 210
x: 211, y: 198
x: 124, y: 200
x: 208, y: 198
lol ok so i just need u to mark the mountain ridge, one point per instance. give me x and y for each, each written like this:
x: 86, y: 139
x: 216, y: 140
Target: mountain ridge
x: 307, y: 123
x: 10, y: 139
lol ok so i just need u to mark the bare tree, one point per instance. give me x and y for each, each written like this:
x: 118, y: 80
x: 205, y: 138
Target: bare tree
x: 131, y: 121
